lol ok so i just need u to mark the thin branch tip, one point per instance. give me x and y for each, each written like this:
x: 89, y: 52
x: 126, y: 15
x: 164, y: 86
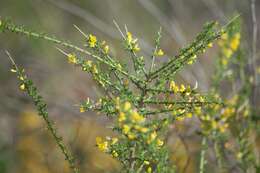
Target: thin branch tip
x: 11, y: 59
x: 118, y: 28
x: 75, y: 26
x: 62, y: 51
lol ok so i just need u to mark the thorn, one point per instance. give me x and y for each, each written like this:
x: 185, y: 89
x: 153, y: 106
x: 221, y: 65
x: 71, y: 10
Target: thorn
x: 80, y: 30
x: 63, y: 52
x: 126, y: 29
x: 196, y: 86
x: 118, y: 28
x: 12, y: 60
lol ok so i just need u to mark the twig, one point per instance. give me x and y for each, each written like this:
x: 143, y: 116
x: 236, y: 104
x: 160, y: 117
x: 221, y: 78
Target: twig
x: 254, y: 44
x: 42, y: 111
x: 118, y: 28
x: 85, y: 35
x: 157, y: 44
x: 202, y: 155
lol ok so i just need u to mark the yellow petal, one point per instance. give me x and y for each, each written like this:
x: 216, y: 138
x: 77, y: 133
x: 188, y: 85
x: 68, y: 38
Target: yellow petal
x: 22, y: 87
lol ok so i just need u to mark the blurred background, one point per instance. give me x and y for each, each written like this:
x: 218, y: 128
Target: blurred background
x: 25, y: 145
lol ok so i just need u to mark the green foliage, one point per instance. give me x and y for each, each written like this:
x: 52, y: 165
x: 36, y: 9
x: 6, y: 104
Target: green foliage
x: 233, y: 122
x: 145, y: 102
x: 28, y: 86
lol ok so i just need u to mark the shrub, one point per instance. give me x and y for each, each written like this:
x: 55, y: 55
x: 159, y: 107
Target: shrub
x: 143, y: 103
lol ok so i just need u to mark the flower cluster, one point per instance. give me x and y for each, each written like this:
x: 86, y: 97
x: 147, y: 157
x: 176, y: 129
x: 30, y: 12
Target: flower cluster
x: 92, y: 41
x: 217, y: 118
x: 131, y: 43
x: 135, y: 134
x: 229, y: 43
x: 180, y: 89
x: 144, y: 103
x: 159, y: 52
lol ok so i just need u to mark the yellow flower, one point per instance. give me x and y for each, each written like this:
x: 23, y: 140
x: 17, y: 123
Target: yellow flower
x: 235, y: 42
x: 131, y: 136
x: 72, y: 58
x: 136, y: 117
x: 159, y: 143
x: 227, y: 52
x: 132, y: 42
x: 94, y: 69
x: 143, y: 129
x: 197, y: 110
x: 201, y: 99
x: 126, y: 129
x: 228, y: 112
x: 82, y: 109
x: 205, y: 118
x: 127, y: 106
x: 223, y: 127
x: 121, y: 117
x: 92, y: 40
x: 106, y: 49
x: 174, y: 87
x: 114, y: 153
x: 180, y: 118
x: 136, y: 48
x: 22, y: 87
x: 190, y: 62
x: 189, y: 115
x: 182, y: 88
x: 102, y: 145
x: 181, y: 111
x: 174, y: 113
x: 192, y: 59
x: 129, y: 37
x: 149, y: 170
x: 146, y: 162
x: 159, y: 52
x: 89, y: 63
x: 210, y: 45
x: 21, y: 78
x: 152, y: 137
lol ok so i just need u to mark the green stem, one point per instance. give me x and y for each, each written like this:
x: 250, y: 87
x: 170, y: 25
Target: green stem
x: 42, y: 111
x: 218, y: 156
x: 21, y: 30
x: 179, y: 102
x: 157, y: 44
x: 202, y: 155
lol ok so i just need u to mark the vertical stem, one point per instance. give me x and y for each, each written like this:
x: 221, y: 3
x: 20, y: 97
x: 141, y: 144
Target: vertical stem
x: 157, y: 44
x: 218, y: 156
x: 132, y: 165
x: 254, y: 42
x: 202, y: 154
